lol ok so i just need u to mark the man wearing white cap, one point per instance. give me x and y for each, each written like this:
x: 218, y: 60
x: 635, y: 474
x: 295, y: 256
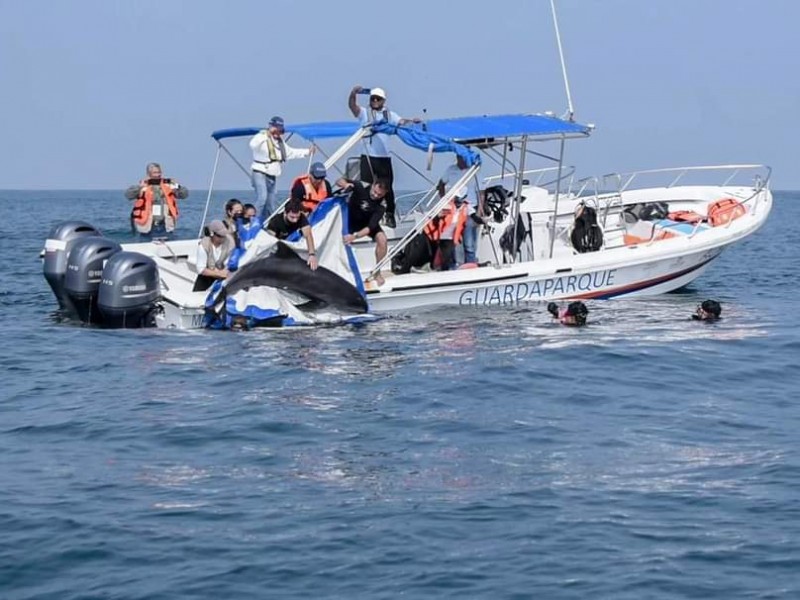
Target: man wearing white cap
x: 376, y: 162
x: 269, y: 154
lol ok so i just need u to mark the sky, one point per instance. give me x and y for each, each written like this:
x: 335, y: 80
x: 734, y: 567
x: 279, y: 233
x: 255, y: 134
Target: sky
x: 92, y: 90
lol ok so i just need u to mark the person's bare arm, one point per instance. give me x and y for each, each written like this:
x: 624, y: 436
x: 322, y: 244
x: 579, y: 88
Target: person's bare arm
x: 352, y: 103
x: 312, y: 251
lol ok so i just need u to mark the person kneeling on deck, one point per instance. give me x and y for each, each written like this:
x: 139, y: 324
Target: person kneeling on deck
x: 312, y: 188
x: 446, y: 231
x: 365, y: 210
x: 155, y: 210
x: 574, y: 315
x: 290, y: 220
x: 212, y: 256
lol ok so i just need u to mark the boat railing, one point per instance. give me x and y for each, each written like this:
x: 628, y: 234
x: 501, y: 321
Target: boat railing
x: 761, y: 176
x: 567, y: 175
x: 421, y: 223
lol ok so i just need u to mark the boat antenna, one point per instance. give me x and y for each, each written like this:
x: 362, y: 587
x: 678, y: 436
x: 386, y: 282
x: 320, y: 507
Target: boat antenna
x: 570, y: 108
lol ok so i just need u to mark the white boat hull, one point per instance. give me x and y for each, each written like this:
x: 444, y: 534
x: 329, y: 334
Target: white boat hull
x: 626, y: 270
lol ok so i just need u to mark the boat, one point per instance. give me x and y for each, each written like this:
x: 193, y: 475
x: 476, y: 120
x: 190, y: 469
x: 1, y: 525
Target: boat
x: 653, y: 232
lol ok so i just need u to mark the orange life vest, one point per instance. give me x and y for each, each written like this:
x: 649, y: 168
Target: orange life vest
x: 724, y: 211
x: 142, y: 212
x: 313, y: 195
x: 438, y: 225
x: 685, y: 216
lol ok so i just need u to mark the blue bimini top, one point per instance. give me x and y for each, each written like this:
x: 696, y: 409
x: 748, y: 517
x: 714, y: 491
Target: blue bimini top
x: 439, y: 135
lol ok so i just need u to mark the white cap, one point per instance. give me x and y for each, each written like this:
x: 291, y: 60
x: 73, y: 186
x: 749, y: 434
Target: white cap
x: 378, y: 92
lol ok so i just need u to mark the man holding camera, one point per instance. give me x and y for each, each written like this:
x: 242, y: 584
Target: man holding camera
x: 155, y: 207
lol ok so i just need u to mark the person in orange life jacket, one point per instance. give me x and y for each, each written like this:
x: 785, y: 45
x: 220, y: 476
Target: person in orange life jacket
x: 155, y: 207
x: 375, y: 161
x: 708, y: 310
x: 269, y: 154
x: 474, y: 199
x: 574, y: 314
x: 213, y: 253
x: 446, y: 231
x: 290, y: 220
x: 312, y: 188
x: 364, y: 212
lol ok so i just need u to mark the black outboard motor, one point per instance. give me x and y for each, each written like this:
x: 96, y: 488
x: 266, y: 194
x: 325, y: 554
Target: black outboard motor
x: 129, y: 291
x: 84, y: 273
x: 56, y: 250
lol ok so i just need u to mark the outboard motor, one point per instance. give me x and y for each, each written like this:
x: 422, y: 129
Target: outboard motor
x: 129, y: 291
x: 84, y: 273
x: 56, y: 250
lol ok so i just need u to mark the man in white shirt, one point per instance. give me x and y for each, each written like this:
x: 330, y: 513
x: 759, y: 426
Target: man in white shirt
x: 269, y: 154
x: 375, y: 161
x: 473, y: 197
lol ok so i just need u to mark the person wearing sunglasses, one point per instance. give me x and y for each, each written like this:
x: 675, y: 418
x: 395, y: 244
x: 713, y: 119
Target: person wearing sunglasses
x: 375, y: 161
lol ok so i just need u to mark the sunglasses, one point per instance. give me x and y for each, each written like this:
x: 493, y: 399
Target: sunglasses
x: 375, y: 99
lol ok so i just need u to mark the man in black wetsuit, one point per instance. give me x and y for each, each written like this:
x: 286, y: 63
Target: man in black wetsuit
x: 290, y: 220
x: 365, y: 211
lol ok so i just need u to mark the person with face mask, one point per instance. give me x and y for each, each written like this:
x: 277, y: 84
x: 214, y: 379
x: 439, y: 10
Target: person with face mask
x: 248, y: 226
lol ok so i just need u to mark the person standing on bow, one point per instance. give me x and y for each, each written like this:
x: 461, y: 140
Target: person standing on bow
x: 312, y: 188
x: 375, y: 161
x: 269, y: 154
x: 155, y: 207
x: 472, y: 197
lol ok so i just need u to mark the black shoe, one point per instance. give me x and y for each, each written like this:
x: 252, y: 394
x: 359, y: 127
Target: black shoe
x: 389, y: 220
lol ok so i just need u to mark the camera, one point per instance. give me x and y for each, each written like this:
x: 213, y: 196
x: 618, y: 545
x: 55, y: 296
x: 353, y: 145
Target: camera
x: 155, y: 181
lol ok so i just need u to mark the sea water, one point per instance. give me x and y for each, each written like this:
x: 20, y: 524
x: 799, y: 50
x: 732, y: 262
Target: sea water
x: 473, y: 453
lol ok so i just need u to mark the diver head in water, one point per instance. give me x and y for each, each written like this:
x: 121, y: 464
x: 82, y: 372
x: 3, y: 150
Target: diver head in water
x: 575, y: 313
x: 708, y: 310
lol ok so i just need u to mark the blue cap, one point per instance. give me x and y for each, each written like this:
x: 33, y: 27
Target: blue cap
x: 276, y: 122
x: 318, y: 170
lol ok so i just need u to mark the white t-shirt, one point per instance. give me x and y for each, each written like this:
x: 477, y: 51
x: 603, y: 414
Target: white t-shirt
x: 377, y: 144
x: 451, y: 175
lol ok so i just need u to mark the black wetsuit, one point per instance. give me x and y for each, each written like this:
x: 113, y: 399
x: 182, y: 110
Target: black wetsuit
x: 363, y: 211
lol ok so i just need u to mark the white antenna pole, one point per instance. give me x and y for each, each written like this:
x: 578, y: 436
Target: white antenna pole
x: 570, y: 108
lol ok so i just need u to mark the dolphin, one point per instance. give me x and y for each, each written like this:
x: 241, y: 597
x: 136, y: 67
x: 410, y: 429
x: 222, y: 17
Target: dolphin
x: 285, y: 270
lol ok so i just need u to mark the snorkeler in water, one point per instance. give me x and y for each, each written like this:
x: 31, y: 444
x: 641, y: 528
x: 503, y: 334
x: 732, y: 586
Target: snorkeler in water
x: 708, y: 310
x: 574, y: 314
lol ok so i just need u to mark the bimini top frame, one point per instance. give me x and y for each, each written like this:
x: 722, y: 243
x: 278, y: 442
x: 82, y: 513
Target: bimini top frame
x: 463, y: 136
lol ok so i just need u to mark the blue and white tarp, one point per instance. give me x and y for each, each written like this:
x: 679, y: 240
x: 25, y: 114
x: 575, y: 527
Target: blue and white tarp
x: 284, y: 301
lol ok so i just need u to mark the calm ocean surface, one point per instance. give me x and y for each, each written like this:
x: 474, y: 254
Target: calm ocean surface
x: 482, y: 453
